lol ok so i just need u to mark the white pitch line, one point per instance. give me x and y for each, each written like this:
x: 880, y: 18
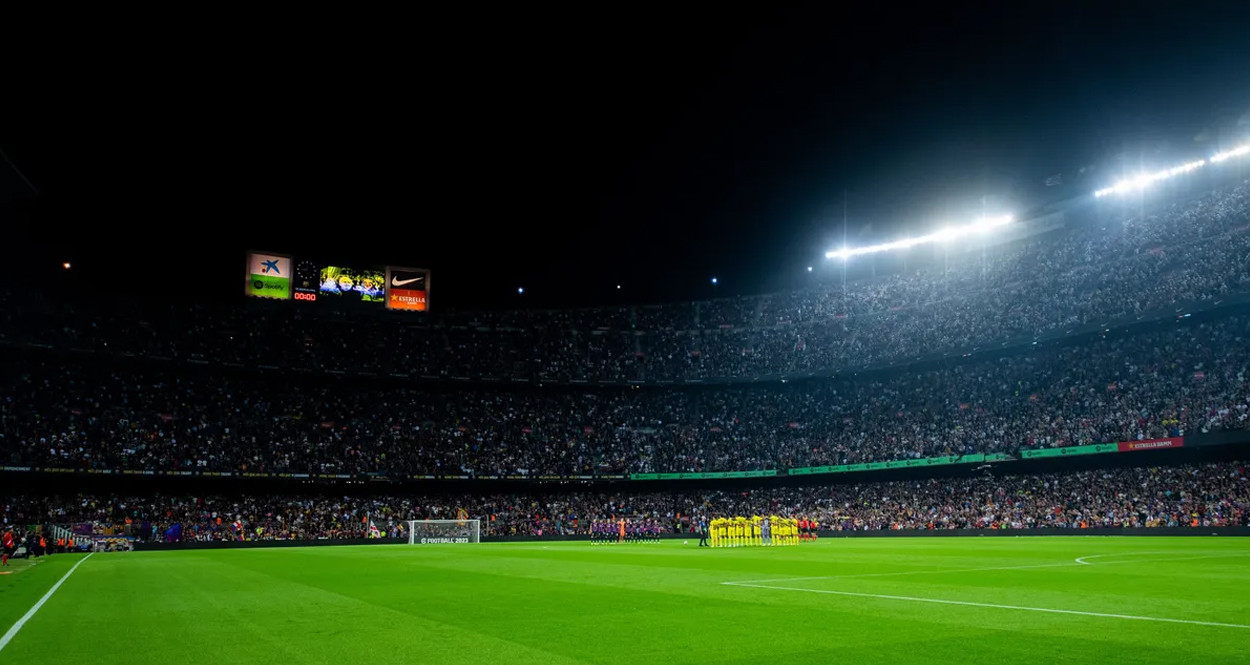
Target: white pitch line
x: 1082, y: 559
x: 8, y: 637
x: 1226, y: 555
x: 901, y: 572
x: 1077, y: 562
x: 943, y: 601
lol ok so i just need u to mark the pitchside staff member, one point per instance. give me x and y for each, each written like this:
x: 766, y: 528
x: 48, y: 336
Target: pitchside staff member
x: 9, y: 546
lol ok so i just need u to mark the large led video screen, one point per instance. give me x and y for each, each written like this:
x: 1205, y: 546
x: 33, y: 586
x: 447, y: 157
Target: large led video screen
x: 352, y: 284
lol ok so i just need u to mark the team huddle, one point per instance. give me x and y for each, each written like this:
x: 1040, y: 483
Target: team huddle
x: 624, y: 531
x: 757, y: 531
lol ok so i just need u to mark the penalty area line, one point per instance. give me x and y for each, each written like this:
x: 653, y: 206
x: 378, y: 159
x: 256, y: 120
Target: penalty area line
x: 8, y: 637
x: 967, y: 603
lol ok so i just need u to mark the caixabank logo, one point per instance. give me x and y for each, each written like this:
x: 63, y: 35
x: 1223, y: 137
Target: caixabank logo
x: 268, y: 275
x: 407, y: 289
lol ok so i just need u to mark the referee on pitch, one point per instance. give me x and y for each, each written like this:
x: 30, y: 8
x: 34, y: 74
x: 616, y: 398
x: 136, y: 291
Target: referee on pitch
x: 703, y: 532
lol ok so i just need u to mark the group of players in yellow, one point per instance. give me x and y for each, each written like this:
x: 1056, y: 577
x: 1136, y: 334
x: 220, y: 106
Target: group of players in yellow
x: 757, y: 531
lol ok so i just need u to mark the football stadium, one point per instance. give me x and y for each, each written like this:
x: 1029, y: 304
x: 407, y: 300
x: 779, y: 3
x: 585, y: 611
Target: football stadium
x: 991, y: 406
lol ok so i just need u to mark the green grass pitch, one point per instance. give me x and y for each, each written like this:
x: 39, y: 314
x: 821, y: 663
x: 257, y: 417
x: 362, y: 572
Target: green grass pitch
x: 862, y: 600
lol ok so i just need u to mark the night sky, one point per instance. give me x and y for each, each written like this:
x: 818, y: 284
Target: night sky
x: 569, y: 153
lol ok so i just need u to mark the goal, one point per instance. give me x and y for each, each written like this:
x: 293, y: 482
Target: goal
x: 434, y: 532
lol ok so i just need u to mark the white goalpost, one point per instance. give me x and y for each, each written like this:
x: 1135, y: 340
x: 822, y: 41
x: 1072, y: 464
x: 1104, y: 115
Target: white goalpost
x: 434, y: 532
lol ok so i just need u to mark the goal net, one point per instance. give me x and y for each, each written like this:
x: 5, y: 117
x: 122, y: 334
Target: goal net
x: 433, y: 532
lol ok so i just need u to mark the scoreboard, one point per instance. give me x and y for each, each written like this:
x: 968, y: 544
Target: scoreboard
x: 307, y: 281
x: 282, y: 277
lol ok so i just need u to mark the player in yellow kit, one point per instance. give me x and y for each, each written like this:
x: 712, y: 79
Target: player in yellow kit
x: 741, y: 531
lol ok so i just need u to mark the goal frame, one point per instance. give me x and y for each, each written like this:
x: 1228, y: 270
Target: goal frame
x: 473, y: 529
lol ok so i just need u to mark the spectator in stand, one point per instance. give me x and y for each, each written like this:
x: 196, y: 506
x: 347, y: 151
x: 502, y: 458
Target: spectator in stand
x: 1205, y: 495
x: 1169, y: 380
x: 1104, y: 266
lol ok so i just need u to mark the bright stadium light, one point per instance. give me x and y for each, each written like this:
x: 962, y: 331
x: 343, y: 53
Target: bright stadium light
x: 1229, y: 154
x: 946, y: 234
x: 1146, y: 179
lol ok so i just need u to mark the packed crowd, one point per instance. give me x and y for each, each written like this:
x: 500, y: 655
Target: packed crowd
x: 311, y: 517
x: 1176, y: 378
x: 1215, y: 494
x: 1206, y: 495
x: 1105, y: 265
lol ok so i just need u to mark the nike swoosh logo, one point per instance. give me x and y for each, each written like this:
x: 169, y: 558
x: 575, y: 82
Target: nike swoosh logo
x: 405, y: 282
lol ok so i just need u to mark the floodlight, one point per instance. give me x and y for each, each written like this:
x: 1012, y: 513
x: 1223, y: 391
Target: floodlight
x: 945, y: 234
x: 1229, y: 154
x: 1144, y: 180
